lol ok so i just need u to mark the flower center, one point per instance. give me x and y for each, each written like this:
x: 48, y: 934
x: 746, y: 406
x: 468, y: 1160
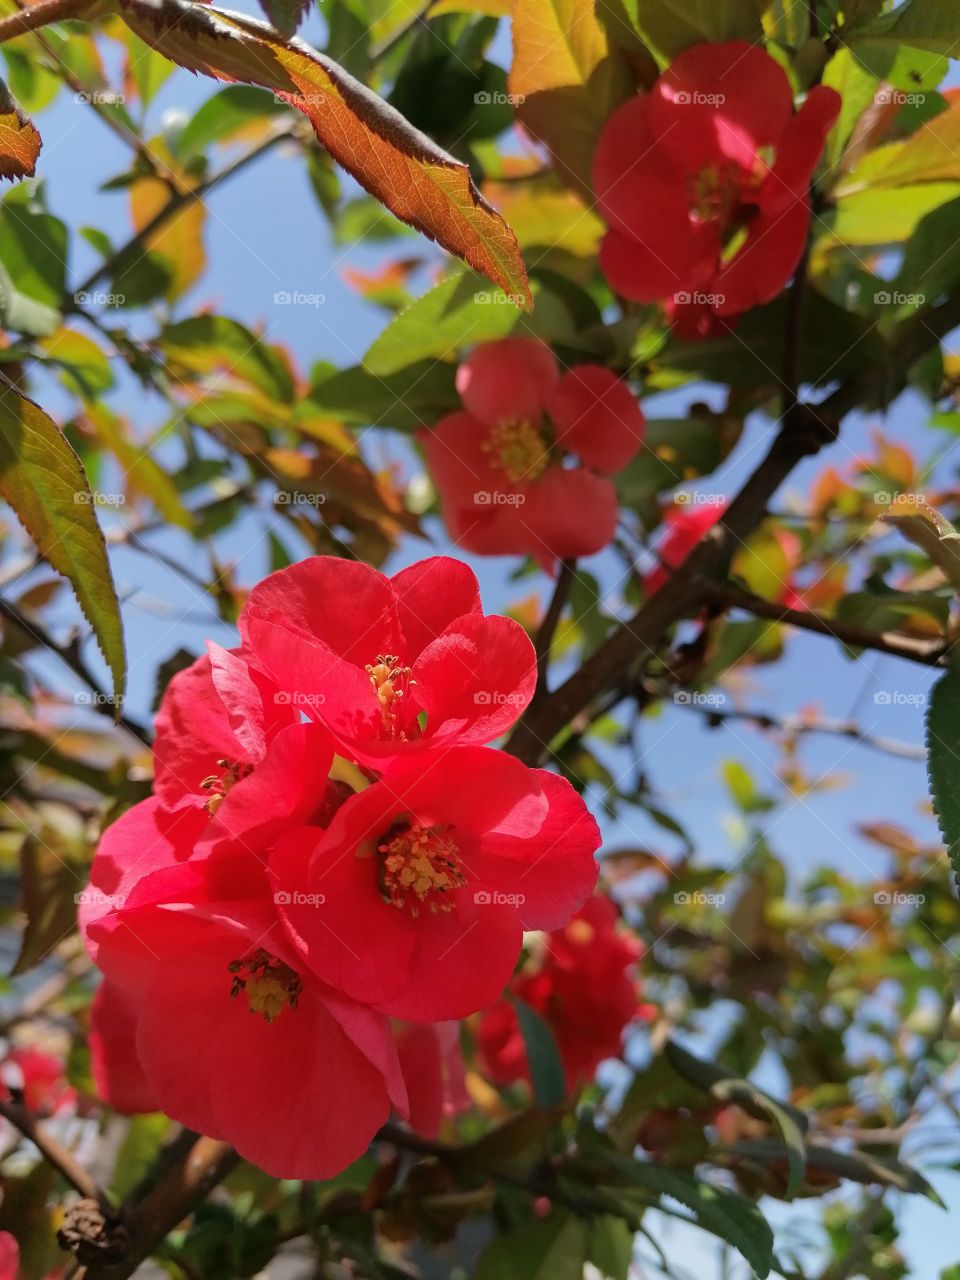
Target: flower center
x: 269, y: 984
x: 518, y: 448
x: 714, y: 192
x: 391, y: 681
x: 219, y: 784
x: 419, y: 867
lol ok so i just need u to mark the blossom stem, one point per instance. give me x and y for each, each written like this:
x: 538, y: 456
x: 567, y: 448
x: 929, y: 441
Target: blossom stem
x: 52, y: 1151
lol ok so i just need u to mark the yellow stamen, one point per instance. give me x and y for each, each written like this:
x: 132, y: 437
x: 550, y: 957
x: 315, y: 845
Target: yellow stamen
x: 519, y: 449
x: 418, y: 866
x: 269, y: 984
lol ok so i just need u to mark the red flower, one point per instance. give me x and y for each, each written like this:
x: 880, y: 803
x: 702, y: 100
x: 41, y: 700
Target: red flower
x: 499, y: 466
x: 40, y: 1077
x: 416, y: 897
x: 234, y: 1038
x: 9, y: 1256
x: 390, y: 665
x: 114, y: 1065
x: 213, y: 727
x: 432, y: 1067
x: 704, y: 181
x: 685, y: 526
x: 584, y: 988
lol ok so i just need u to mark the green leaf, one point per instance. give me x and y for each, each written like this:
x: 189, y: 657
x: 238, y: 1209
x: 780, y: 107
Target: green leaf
x: 943, y: 761
x: 415, y: 396
x: 546, y: 1066
x: 921, y: 24
x: 553, y: 1248
x: 724, y: 1214
x: 139, y: 1149
x: 42, y: 479
x: 224, y: 114
x: 929, y: 530
x: 886, y: 215
x: 461, y: 309
x: 675, y: 450
x: 670, y: 26
x: 204, y: 344
x: 285, y: 15
x: 51, y: 874
x: 33, y: 257
x: 856, y: 87
x: 610, y: 1246
x: 142, y: 471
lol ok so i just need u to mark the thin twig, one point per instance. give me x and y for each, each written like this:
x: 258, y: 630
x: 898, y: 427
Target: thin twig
x: 71, y: 657
x: 52, y: 1151
x: 548, y: 626
x: 42, y: 15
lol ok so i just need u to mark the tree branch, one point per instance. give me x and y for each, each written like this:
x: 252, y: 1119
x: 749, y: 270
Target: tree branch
x: 52, y: 1151
x: 931, y: 653
x: 42, y: 15
x: 548, y: 626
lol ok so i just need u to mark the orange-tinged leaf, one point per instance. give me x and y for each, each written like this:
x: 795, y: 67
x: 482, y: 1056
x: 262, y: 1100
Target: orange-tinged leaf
x: 20, y: 142
x: 930, y: 154
x: 417, y: 181
x: 180, y: 239
x: 43, y: 480
x: 566, y: 79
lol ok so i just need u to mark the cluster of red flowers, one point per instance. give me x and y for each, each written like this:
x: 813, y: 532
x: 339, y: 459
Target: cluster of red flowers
x: 584, y: 986
x: 703, y: 182
x: 330, y: 846
x: 499, y: 464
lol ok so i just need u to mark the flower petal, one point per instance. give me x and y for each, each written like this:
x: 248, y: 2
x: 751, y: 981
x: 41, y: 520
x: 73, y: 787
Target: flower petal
x: 507, y: 381
x: 596, y: 416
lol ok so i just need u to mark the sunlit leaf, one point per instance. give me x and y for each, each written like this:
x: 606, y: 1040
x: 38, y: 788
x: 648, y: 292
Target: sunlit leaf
x: 413, y: 177
x: 20, y: 142
x: 42, y: 480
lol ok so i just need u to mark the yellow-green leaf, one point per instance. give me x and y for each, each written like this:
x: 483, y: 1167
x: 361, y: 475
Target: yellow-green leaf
x: 43, y: 480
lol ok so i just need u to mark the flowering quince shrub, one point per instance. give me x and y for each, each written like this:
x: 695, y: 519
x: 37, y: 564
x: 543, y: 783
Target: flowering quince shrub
x: 281, y: 909
x: 499, y: 463
x: 704, y: 184
x: 459, y: 770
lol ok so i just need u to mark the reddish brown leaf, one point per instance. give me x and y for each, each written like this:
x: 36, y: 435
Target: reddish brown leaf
x: 20, y: 142
x: 403, y: 168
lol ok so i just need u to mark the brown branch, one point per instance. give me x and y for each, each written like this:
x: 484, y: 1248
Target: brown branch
x: 71, y: 657
x: 42, y: 15
x: 931, y: 653
x: 548, y: 626
x: 178, y: 200
x: 184, y: 1186
x: 805, y: 430
x: 52, y: 1151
